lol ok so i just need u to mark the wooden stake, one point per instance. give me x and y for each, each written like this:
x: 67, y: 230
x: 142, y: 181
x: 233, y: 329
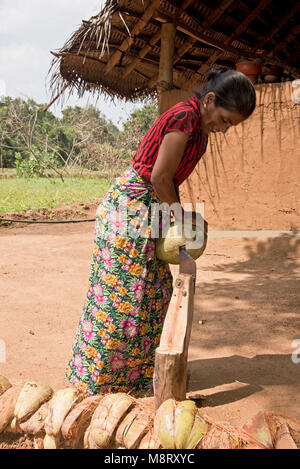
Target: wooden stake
x: 170, y: 371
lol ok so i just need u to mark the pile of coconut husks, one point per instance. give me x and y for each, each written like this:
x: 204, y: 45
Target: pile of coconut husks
x: 68, y: 418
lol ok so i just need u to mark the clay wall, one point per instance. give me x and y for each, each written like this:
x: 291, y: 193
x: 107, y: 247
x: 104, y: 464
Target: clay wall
x: 250, y: 177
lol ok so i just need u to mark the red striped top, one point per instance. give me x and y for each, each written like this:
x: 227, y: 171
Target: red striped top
x: 184, y: 117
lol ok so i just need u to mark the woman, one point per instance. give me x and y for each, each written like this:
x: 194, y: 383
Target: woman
x: 129, y: 288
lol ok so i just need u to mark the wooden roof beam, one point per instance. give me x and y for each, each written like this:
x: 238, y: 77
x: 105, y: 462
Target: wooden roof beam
x: 135, y: 31
x: 152, y: 42
x: 290, y: 37
x: 278, y: 26
x: 241, y: 28
x: 211, y: 19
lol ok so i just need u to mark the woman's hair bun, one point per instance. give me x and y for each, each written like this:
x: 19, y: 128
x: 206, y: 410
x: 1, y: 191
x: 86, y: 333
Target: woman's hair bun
x: 213, y: 72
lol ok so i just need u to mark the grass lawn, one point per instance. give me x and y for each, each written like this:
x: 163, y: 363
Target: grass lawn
x: 20, y: 194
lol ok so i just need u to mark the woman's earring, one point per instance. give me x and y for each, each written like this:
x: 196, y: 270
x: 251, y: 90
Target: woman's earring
x: 204, y: 105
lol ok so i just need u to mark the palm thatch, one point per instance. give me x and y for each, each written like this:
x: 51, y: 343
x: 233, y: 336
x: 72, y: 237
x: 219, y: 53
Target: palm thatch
x: 117, y: 52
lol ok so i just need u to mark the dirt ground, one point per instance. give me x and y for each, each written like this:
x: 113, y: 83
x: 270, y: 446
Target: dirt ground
x: 245, y: 320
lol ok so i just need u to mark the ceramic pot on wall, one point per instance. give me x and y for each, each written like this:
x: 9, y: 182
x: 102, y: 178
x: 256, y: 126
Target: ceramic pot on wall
x: 251, y: 69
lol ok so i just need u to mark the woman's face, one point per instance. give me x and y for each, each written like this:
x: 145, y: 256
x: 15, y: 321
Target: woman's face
x: 216, y: 118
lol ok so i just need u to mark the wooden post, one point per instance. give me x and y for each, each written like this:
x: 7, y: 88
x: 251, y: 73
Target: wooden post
x: 170, y: 370
x: 167, y: 48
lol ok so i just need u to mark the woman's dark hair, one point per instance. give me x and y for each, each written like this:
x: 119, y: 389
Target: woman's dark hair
x: 234, y: 91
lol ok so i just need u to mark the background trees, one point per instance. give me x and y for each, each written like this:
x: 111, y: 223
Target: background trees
x: 38, y: 143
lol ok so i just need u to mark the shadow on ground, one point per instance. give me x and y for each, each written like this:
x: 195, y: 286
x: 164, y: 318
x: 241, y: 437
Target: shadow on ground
x: 248, y: 304
x: 254, y: 301
x: 250, y: 375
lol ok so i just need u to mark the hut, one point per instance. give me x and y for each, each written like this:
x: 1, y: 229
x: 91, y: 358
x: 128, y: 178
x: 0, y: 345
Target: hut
x: 249, y: 177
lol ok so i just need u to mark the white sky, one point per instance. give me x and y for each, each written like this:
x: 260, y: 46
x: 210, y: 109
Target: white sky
x: 29, y: 30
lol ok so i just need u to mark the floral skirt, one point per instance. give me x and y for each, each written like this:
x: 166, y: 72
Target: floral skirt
x: 128, y: 295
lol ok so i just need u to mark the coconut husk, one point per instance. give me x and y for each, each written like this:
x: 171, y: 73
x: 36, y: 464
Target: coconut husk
x: 60, y: 405
x: 276, y: 421
x: 134, y: 427
x: 78, y: 420
x: 31, y: 397
x: 4, y: 385
x: 217, y: 438
x: 51, y: 441
x: 258, y: 427
x: 106, y: 419
x: 267, y: 428
x: 38, y: 443
x: 150, y: 441
x: 220, y: 435
x: 8, y: 402
x: 283, y: 438
x: 35, y: 424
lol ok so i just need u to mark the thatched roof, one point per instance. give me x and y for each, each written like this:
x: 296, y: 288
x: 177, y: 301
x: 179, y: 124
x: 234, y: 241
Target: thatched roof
x: 118, y: 51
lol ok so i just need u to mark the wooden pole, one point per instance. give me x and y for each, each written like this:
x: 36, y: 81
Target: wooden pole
x: 167, y: 49
x: 170, y: 370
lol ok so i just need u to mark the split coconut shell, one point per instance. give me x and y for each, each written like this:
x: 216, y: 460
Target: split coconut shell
x: 134, y: 427
x: 106, y: 419
x: 60, y: 405
x: 4, y: 385
x: 8, y: 402
x: 35, y: 424
x: 31, y: 397
x: 78, y: 420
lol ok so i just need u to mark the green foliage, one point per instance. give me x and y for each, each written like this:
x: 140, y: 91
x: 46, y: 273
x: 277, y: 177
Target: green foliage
x: 38, y: 164
x: 39, y: 144
x: 135, y: 128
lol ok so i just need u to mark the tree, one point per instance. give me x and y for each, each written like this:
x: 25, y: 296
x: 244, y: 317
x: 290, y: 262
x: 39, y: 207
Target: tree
x: 136, y: 126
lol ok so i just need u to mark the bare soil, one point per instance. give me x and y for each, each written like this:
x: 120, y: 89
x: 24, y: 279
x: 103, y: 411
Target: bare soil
x: 246, y: 315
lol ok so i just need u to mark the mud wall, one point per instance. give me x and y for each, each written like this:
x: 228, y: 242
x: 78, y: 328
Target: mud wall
x: 250, y: 177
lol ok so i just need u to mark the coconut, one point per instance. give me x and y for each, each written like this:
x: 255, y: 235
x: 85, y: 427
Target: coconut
x: 59, y: 407
x: 31, y: 397
x: 106, y: 419
x: 35, y: 424
x: 78, y: 420
x: 7, y: 406
x: 150, y: 441
x: 179, y: 425
x: 164, y: 424
x: 134, y: 427
x: 258, y: 427
x: 167, y: 248
x: 51, y: 442
x: 4, y: 384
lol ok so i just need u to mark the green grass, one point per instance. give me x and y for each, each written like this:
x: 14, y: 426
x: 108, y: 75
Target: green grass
x: 20, y: 194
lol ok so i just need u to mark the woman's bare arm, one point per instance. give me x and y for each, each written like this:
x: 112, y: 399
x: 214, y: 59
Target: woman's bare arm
x: 166, y: 164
